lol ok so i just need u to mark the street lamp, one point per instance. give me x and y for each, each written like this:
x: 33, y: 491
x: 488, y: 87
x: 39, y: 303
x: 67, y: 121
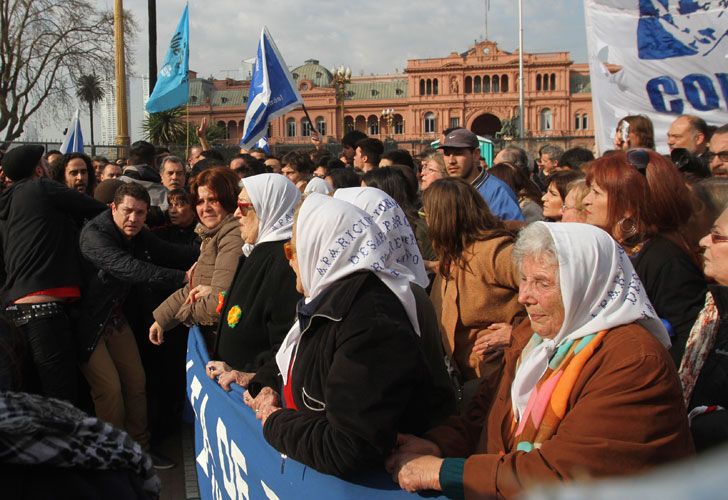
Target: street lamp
x: 388, y: 117
x: 342, y: 76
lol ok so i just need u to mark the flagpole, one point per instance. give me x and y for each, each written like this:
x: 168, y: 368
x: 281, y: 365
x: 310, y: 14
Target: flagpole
x: 187, y: 135
x: 313, y: 128
x: 521, y: 106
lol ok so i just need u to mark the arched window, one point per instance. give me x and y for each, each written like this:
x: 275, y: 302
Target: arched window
x: 486, y: 84
x: 547, y: 119
x: 305, y: 127
x: 321, y: 125
x: 232, y: 129
x: 348, y: 124
x: 291, y: 127
x: 398, y: 124
x: 553, y: 81
x: 429, y: 87
x: 496, y: 83
x: 577, y: 122
x: 430, y: 123
x: 422, y: 87
x: 434, y: 86
x: 361, y: 124
x: 373, y: 125
x: 538, y: 82
x: 476, y: 85
x: 585, y: 122
x: 468, y: 85
x: 504, y: 83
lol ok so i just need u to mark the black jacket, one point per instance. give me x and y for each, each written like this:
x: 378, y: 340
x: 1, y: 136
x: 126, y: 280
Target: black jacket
x: 39, y: 236
x: 264, y: 288
x: 711, y: 388
x: 111, y: 268
x: 358, y: 379
x: 674, y: 285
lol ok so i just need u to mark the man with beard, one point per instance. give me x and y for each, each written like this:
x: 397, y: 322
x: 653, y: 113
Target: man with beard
x: 75, y: 171
x: 718, y: 154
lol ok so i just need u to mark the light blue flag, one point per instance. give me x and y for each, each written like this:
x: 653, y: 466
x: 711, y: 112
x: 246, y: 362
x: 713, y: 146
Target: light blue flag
x: 73, y: 142
x: 173, y: 85
x: 272, y: 91
x: 263, y: 144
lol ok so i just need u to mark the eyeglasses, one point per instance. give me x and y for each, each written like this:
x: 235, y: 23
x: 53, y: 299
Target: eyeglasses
x: 288, y: 250
x: 717, y: 237
x: 639, y: 159
x: 244, y: 206
x: 722, y: 156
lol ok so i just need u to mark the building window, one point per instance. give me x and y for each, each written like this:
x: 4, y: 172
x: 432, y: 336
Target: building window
x: 305, y: 127
x: 547, y: 119
x: 373, y: 125
x: 398, y: 124
x: 429, y: 123
x: 321, y: 125
x: 291, y: 127
x: 486, y: 84
x: 504, y: 83
x: 476, y: 85
x: 434, y: 86
x: 538, y: 82
x: 577, y: 122
x: 585, y: 122
x: 429, y: 87
x: 553, y: 81
x: 454, y: 122
x: 468, y: 85
x: 422, y: 87
x: 348, y: 124
x: 496, y: 83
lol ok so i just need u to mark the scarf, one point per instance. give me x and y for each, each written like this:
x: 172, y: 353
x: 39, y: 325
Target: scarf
x: 317, y: 185
x: 333, y: 240
x: 700, y: 343
x: 274, y: 198
x: 600, y: 290
x: 393, y: 222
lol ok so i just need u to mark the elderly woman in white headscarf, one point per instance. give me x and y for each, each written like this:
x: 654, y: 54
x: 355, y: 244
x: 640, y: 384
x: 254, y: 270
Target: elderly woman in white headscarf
x: 260, y: 306
x: 353, y: 374
x: 588, y: 387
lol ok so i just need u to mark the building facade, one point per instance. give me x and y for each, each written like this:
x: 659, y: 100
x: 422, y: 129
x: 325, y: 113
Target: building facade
x: 477, y: 89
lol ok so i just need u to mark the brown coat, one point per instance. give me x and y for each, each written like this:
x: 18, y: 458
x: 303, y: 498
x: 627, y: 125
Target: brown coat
x: 625, y: 414
x: 220, y: 251
x: 483, y: 293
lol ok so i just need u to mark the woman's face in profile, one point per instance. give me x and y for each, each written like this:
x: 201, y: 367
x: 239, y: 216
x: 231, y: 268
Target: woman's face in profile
x: 596, y: 207
x: 552, y: 203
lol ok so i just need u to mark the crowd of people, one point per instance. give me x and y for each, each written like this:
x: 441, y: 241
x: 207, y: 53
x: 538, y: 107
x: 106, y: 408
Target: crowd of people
x: 470, y: 329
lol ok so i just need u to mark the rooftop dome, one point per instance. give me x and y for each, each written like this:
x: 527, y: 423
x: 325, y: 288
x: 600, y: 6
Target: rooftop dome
x: 312, y: 70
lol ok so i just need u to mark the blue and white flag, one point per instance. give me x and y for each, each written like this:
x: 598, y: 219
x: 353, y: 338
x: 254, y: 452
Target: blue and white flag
x: 263, y: 144
x: 667, y: 58
x: 272, y: 91
x: 73, y: 142
x: 173, y: 85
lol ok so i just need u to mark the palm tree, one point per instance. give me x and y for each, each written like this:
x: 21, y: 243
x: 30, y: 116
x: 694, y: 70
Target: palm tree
x: 90, y: 91
x: 166, y: 127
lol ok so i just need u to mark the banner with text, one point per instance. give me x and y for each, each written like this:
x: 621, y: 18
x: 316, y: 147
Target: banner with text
x: 234, y: 460
x: 672, y: 60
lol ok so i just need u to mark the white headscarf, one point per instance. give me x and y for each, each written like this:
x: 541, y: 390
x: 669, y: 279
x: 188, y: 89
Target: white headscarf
x: 600, y: 290
x: 274, y: 198
x: 333, y: 240
x: 317, y: 185
x: 392, y: 220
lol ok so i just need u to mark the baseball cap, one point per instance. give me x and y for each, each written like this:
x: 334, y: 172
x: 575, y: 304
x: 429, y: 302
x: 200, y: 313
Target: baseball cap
x: 460, y: 138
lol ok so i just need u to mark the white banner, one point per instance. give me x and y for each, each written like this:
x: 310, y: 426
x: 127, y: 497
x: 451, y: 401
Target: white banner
x: 674, y: 60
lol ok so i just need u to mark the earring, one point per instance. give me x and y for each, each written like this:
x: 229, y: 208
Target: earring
x: 628, y: 227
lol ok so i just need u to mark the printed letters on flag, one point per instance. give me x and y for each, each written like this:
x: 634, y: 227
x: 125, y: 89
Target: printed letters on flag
x: 172, y: 88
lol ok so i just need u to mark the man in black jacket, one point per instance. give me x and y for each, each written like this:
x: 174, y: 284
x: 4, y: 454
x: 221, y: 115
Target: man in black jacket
x: 109, y: 353
x: 42, y: 266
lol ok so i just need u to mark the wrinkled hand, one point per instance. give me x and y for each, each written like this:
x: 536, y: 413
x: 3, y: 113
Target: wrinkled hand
x: 198, y: 293
x: 315, y: 139
x: 156, y: 334
x: 190, y: 274
x: 264, y: 404
x: 202, y: 129
x: 234, y: 376
x: 415, y: 472
x: 494, y: 338
x: 216, y: 368
x: 407, y: 443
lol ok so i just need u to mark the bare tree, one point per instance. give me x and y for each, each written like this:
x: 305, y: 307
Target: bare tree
x: 45, y: 46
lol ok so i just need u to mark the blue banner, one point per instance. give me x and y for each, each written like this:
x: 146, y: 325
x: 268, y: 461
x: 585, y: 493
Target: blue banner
x: 234, y: 460
x: 73, y: 142
x: 272, y: 91
x: 173, y: 86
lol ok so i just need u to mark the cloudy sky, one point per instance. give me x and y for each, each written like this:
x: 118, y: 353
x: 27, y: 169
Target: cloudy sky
x: 370, y: 36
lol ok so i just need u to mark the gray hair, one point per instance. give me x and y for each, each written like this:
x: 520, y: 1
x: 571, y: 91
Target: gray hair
x: 515, y: 155
x: 173, y: 159
x: 535, y: 240
x: 553, y: 151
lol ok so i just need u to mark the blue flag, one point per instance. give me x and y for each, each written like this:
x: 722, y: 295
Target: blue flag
x: 173, y: 85
x: 73, y: 142
x: 263, y: 144
x: 272, y: 91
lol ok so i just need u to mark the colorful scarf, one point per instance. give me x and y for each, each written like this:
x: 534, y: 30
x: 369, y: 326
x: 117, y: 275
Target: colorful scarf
x: 547, y: 404
x: 700, y: 343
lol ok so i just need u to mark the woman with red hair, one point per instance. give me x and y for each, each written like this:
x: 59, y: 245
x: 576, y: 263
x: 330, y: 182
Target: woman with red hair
x: 640, y: 198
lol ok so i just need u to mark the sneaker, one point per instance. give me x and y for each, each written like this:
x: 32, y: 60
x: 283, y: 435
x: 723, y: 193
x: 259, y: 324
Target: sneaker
x: 160, y: 461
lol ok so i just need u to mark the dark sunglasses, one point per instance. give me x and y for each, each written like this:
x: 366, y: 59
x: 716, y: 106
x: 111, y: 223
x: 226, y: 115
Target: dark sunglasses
x: 244, y: 206
x: 639, y: 159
